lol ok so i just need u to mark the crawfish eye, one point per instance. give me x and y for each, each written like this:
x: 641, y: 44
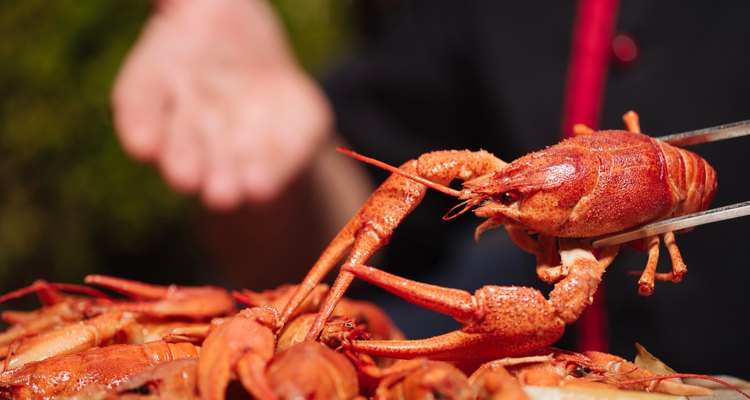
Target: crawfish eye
x: 509, y: 197
x: 145, y: 389
x: 579, y: 371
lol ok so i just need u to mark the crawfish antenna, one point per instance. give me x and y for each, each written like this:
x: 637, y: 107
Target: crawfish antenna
x: 416, y: 178
x: 460, y: 208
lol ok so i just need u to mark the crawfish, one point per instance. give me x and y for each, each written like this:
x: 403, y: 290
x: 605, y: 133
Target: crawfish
x: 310, y: 370
x: 379, y: 324
x: 551, y: 202
x: 588, y: 370
x: 112, y: 325
x: 67, y: 339
x: 338, y: 330
x: 196, y: 303
x: 247, y: 342
x: 244, y: 344
x: 104, y: 367
x: 177, y: 379
x: 419, y: 378
x: 58, y: 309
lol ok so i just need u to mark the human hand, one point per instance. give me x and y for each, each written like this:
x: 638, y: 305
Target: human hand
x: 212, y: 94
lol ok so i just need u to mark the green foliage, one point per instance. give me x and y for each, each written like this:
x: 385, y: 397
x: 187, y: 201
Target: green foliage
x: 317, y: 29
x: 68, y: 194
x: 71, y: 202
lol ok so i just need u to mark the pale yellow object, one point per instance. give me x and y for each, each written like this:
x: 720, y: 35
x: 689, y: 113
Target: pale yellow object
x: 554, y: 393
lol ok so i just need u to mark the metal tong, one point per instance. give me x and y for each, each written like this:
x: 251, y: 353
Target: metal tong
x: 699, y: 136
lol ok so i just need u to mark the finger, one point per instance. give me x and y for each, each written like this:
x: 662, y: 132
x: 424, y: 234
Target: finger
x: 293, y: 127
x: 260, y: 178
x: 139, y: 104
x: 254, y: 135
x: 221, y: 190
x: 181, y: 161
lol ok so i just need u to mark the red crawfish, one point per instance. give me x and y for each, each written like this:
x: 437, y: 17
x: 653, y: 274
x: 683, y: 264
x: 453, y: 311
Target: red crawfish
x: 589, y: 370
x: 102, y: 367
x: 551, y: 202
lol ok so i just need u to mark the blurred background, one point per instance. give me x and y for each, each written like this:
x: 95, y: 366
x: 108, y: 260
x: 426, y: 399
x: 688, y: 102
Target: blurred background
x: 71, y: 201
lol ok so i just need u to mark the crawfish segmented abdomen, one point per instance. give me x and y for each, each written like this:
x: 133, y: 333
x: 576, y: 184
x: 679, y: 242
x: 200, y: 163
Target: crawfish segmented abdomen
x: 692, y: 179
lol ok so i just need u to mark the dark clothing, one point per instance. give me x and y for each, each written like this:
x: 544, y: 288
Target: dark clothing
x: 444, y: 74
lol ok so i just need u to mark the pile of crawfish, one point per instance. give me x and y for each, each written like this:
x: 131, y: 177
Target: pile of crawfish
x: 309, y: 341
x: 206, y: 342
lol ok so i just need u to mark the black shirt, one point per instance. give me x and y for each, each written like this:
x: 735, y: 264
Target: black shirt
x: 444, y: 74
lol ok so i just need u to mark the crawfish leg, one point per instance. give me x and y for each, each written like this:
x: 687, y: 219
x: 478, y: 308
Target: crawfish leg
x: 646, y: 281
x: 371, y: 228
x: 678, y: 266
x: 548, y: 264
x: 632, y: 122
x: 572, y: 294
x: 582, y: 129
x: 521, y: 238
x: 607, y: 255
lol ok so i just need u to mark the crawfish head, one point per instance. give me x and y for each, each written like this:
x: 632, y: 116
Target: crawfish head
x: 538, y: 191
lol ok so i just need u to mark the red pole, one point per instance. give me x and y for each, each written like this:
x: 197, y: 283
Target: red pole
x: 593, y: 31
